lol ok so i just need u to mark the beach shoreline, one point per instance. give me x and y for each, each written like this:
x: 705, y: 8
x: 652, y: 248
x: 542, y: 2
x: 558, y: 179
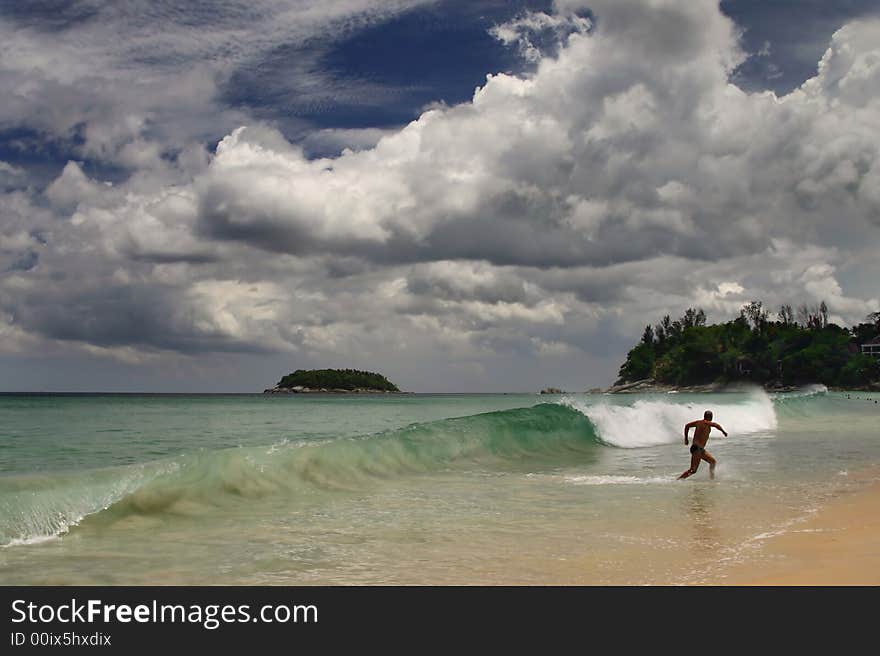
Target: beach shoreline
x: 838, y: 545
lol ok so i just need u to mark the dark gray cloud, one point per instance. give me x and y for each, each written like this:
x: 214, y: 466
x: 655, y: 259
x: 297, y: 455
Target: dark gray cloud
x: 149, y: 317
x: 518, y: 240
x: 26, y: 262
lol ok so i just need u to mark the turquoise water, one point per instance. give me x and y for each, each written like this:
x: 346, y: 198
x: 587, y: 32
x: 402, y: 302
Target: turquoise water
x: 412, y: 489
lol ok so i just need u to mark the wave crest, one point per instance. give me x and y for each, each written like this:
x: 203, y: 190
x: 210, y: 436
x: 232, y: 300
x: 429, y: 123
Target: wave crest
x: 41, y: 507
x: 649, y: 422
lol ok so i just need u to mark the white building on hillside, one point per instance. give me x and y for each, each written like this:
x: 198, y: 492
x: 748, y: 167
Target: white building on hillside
x: 872, y: 347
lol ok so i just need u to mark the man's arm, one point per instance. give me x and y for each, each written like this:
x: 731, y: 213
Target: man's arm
x: 718, y: 426
x: 687, y: 427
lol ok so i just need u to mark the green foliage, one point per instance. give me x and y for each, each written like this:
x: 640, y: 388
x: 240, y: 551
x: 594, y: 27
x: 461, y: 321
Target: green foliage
x: 865, y: 331
x: 346, y: 379
x: 858, y: 369
x: 639, y: 363
x: 686, y: 351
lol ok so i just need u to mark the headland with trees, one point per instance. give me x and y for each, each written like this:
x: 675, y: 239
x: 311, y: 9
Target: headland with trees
x: 799, y: 346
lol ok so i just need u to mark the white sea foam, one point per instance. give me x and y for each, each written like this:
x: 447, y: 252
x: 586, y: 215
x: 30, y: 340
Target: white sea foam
x: 40, y: 515
x: 785, y: 527
x: 615, y: 480
x: 36, y: 539
x: 649, y: 423
x: 44, y: 529
x: 809, y: 390
x: 277, y: 446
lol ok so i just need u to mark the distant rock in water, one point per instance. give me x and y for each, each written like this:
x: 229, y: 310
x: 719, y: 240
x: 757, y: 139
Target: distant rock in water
x: 333, y: 381
x: 552, y: 390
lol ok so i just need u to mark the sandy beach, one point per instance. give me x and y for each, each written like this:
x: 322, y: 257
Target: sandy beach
x: 839, y: 545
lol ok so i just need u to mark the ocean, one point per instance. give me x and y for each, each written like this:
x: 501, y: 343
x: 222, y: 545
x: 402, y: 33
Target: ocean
x: 414, y: 489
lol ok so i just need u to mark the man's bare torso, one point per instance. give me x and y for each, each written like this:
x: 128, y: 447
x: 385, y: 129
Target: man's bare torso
x: 701, y: 432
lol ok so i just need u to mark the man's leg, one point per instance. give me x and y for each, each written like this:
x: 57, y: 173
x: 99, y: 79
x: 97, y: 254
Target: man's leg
x: 708, y: 458
x: 695, y: 462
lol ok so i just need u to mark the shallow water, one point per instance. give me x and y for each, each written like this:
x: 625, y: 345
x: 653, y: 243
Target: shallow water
x: 415, y: 489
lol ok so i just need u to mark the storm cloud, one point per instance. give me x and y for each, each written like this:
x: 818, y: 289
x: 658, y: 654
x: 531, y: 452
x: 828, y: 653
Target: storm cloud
x: 625, y: 175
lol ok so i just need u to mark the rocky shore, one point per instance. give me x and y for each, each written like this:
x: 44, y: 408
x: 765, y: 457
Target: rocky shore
x: 649, y: 385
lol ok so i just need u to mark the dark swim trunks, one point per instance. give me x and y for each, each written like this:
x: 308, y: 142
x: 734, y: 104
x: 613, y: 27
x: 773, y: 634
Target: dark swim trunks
x: 696, y: 448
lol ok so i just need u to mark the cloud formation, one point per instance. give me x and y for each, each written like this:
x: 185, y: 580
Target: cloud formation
x: 549, y: 218
x: 130, y: 83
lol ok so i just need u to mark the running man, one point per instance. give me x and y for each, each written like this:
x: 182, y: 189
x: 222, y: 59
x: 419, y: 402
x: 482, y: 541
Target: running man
x: 701, y: 427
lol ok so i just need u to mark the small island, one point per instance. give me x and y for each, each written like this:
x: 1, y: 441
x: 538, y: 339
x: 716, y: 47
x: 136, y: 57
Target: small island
x: 333, y: 381
x: 800, y: 347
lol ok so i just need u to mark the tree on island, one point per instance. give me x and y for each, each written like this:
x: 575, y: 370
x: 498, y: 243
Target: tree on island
x: 341, y: 379
x: 801, y: 347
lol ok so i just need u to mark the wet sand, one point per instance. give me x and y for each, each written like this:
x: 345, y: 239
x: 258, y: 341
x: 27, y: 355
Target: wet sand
x: 839, y: 545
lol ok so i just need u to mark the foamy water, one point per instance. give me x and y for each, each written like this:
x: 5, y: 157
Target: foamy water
x: 421, y: 489
x: 654, y: 422
x: 619, y: 480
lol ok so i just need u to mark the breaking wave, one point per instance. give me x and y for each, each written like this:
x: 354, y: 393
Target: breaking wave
x: 571, y: 432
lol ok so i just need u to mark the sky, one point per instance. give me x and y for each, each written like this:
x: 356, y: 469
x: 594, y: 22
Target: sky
x: 464, y: 196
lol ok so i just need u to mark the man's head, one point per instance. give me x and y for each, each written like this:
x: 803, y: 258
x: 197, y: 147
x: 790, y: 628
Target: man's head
x: 707, y: 415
